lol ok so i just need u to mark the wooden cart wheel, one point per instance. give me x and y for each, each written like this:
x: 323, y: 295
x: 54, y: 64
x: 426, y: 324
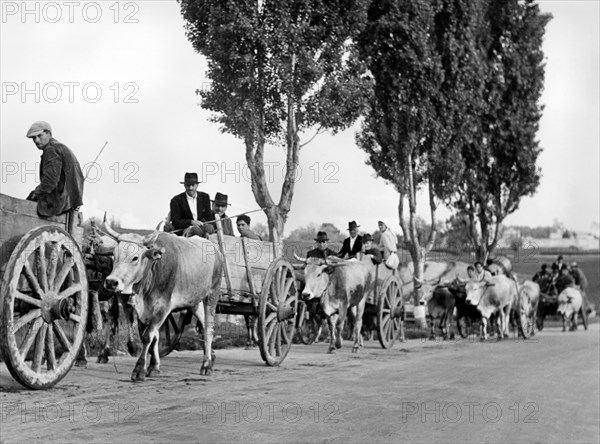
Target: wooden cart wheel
x: 308, y: 332
x: 584, y: 316
x: 277, y: 312
x: 44, y: 307
x: 170, y: 331
x: 524, y: 321
x: 390, y: 306
x: 463, y: 325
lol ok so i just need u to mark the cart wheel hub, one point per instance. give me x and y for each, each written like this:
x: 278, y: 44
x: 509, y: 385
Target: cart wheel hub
x: 54, y: 308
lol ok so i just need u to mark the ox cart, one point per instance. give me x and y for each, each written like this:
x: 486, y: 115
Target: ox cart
x: 256, y: 283
x: 384, y: 311
x: 44, y: 297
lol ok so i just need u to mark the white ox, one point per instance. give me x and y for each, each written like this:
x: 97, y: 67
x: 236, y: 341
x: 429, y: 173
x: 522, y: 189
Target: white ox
x: 167, y: 272
x: 340, y: 285
x: 495, y: 295
x: 569, y: 306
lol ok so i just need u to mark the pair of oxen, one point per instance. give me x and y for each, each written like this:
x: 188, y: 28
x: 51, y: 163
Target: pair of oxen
x: 498, y: 300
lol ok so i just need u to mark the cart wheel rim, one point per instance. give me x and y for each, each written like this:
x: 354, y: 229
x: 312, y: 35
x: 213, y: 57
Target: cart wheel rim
x: 277, y: 312
x: 389, y: 312
x: 44, y: 308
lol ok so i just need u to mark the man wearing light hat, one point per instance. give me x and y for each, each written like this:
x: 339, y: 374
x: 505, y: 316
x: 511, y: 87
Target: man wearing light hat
x: 352, y: 245
x: 61, y: 179
x: 190, y: 209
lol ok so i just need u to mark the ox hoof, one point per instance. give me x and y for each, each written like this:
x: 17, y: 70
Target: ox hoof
x: 206, y: 368
x: 102, y: 359
x: 432, y: 338
x: 137, y: 376
x: 331, y: 350
x: 81, y: 363
x: 355, y: 349
x: 153, y: 372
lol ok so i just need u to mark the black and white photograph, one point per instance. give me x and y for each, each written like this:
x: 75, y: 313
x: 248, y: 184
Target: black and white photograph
x: 300, y: 221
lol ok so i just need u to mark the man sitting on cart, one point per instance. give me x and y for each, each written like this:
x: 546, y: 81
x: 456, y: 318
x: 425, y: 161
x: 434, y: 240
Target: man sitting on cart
x: 218, y: 207
x: 190, y: 209
x: 373, y: 253
x: 61, y: 180
x: 243, y: 226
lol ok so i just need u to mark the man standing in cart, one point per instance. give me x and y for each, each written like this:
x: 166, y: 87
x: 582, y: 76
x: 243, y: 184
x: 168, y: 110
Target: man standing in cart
x: 61, y: 179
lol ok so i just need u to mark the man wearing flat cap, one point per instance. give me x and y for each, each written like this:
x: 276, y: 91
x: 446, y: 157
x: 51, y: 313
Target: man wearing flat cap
x: 219, y: 206
x: 61, y: 180
x: 322, y: 251
x: 352, y: 245
x: 190, y: 209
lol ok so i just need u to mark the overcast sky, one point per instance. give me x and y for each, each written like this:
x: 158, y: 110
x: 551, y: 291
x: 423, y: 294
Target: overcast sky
x: 125, y: 73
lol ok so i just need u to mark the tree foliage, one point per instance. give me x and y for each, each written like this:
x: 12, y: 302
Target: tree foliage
x: 277, y: 68
x: 500, y: 162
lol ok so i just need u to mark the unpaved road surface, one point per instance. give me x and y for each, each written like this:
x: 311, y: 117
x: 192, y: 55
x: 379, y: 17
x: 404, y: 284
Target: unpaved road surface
x: 546, y: 390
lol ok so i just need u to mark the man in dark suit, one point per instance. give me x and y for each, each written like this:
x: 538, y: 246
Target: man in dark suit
x: 353, y: 244
x: 190, y: 209
x: 322, y: 250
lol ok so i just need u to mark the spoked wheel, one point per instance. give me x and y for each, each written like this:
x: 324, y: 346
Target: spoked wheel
x: 44, y: 307
x: 584, y: 316
x: 463, y: 325
x: 524, y: 321
x: 170, y: 331
x: 390, y: 311
x: 277, y: 312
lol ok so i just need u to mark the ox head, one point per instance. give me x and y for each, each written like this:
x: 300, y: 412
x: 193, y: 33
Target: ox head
x: 475, y: 290
x: 131, y: 256
x: 425, y: 289
x: 316, y: 276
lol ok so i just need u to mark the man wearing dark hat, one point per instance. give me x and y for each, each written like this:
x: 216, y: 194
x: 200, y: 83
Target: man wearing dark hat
x: 373, y: 253
x: 218, y: 207
x: 542, y: 274
x: 243, y: 226
x: 352, y: 245
x: 322, y: 251
x: 190, y: 209
x: 61, y: 179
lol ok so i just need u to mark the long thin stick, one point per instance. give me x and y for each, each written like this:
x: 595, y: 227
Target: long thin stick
x: 237, y: 215
x: 88, y: 171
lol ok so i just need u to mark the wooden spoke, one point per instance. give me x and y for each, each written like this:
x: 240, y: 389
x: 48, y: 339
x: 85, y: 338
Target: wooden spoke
x: 42, y: 265
x: 272, y: 316
x: 32, y: 279
x: 30, y: 337
x: 271, y: 307
x: 70, y: 291
x: 28, y: 299
x: 284, y: 334
x: 67, y: 266
x: 167, y: 325
x: 26, y: 319
x: 75, y: 317
x: 54, y: 249
x: 62, y: 337
x: 38, y: 352
x: 50, y: 354
x: 174, y: 324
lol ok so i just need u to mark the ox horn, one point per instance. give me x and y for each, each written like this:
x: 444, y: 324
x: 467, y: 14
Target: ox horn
x: 112, y: 233
x: 299, y: 259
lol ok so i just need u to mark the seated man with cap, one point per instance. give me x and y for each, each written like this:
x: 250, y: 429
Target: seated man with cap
x: 322, y: 250
x: 352, y: 245
x: 243, y: 226
x: 190, y: 209
x: 218, y: 207
x: 61, y: 179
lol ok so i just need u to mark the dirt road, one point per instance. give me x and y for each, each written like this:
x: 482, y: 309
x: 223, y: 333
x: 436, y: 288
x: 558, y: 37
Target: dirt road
x: 546, y: 390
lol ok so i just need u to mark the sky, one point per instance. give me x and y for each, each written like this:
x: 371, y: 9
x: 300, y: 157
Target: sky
x: 124, y: 74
